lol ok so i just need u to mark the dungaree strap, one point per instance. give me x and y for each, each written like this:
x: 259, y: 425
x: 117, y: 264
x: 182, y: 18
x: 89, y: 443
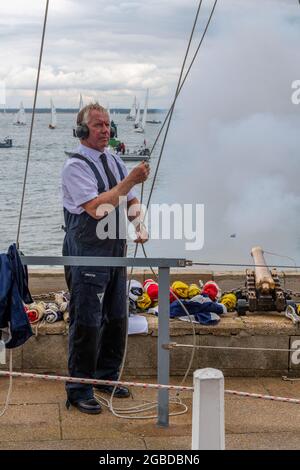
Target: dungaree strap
x: 101, y: 185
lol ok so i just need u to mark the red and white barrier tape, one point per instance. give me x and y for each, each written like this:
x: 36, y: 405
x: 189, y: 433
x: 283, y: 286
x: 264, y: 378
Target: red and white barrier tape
x: 264, y: 397
x: 91, y: 381
x: 139, y: 384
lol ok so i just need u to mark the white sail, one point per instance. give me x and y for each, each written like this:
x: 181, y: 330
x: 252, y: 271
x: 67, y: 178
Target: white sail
x: 80, y: 102
x: 108, y: 111
x: 145, y: 111
x: 132, y: 115
x: 20, y: 119
x: 137, y: 117
x: 53, y: 116
x: 142, y: 126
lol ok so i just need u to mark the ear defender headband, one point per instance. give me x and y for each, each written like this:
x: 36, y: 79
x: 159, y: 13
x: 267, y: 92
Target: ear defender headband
x: 81, y: 131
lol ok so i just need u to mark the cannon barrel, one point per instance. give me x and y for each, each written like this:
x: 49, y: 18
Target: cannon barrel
x: 264, y: 281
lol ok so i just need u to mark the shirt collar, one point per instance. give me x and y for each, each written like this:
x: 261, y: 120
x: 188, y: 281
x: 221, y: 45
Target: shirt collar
x: 89, y: 152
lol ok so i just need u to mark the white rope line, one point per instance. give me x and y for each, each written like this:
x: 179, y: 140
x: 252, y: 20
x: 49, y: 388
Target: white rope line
x: 235, y: 348
x: 126, y: 413
x: 60, y: 378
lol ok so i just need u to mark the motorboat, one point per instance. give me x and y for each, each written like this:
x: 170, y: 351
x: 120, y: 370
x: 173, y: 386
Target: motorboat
x: 6, y: 143
x: 136, y: 155
x: 153, y: 121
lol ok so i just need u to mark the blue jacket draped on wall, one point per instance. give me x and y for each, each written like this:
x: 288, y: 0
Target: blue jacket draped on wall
x: 14, y: 291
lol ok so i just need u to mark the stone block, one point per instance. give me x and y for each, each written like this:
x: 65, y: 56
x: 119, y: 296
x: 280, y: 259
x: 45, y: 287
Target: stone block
x: 17, y: 356
x: 141, y: 356
x: 43, y: 281
x: 270, y: 323
x: 46, y: 352
x: 291, y: 280
x: 243, y: 359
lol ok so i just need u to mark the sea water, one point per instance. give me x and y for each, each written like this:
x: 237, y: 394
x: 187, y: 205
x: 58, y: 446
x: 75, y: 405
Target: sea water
x: 42, y: 219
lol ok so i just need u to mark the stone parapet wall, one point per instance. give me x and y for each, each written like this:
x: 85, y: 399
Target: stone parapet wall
x: 46, y: 352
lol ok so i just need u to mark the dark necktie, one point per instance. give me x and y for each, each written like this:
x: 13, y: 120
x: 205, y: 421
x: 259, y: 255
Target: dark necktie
x: 110, y: 176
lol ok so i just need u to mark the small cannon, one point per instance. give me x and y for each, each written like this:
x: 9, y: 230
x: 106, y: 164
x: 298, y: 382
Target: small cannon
x: 263, y: 291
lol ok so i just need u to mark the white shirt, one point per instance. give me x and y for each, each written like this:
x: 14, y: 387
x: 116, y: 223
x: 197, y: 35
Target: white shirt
x: 79, y: 184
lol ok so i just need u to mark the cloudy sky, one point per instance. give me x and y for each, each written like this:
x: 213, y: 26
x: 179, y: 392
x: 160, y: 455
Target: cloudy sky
x: 102, y: 49
x: 235, y: 136
x: 113, y: 50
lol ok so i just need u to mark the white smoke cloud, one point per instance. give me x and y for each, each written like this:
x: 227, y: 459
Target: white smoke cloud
x: 235, y: 137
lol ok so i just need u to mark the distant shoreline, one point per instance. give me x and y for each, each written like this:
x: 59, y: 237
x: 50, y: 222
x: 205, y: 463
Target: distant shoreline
x: 74, y: 111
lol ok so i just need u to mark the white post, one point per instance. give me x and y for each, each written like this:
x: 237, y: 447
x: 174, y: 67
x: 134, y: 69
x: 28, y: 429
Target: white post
x: 208, y: 430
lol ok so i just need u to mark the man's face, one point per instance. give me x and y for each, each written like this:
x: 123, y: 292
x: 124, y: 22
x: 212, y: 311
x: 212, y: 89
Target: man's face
x: 99, y: 127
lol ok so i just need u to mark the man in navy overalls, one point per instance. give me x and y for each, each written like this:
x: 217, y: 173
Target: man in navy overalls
x: 91, y: 179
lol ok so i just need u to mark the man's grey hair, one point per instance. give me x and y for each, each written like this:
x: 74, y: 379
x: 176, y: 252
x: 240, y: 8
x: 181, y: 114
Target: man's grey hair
x: 84, y: 113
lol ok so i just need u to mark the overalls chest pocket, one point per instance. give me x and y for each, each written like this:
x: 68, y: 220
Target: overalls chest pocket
x: 93, y: 285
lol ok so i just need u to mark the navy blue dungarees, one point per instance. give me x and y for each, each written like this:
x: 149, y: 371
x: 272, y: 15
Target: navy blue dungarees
x: 98, y: 300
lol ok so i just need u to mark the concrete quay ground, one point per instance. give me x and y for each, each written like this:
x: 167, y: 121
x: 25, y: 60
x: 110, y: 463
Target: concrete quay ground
x: 38, y: 419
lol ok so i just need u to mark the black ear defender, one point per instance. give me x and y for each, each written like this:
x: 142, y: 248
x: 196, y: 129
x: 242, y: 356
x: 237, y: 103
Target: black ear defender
x: 81, y: 131
x: 112, y: 132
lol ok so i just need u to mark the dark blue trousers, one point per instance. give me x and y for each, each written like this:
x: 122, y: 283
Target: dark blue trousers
x: 97, y: 313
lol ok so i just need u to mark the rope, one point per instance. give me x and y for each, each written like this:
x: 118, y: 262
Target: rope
x: 7, y: 400
x: 169, y: 116
x: 264, y: 397
x: 235, y: 348
x: 191, y: 323
x: 135, y: 384
x: 179, y: 88
x: 125, y: 413
x: 240, y: 265
x: 61, y: 378
x: 32, y: 122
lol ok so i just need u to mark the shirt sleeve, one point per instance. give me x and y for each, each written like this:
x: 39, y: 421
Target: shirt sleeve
x: 79, y: 181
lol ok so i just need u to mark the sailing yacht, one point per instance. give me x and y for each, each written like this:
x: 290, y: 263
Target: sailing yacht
x: 137, y: 117
x: 108, y: 111
x: 20, y: 118
x: 52, y: 124
x: 80, y: 102
x: 141, y: 128
x: 132, y: 115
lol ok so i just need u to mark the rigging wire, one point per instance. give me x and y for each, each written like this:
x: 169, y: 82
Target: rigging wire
x: 241, y: 265
x: 32, y: 122
x: 169, y: 118
x: 176, y: 96
x: 24, y: 183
